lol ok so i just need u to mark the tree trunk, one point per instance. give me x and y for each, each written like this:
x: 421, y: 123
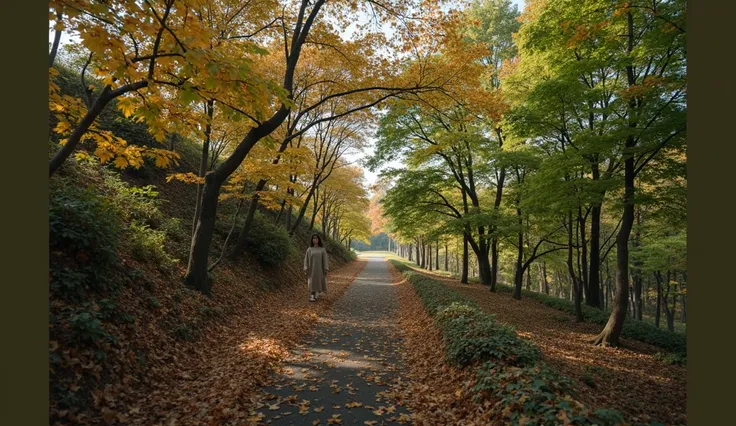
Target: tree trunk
x: 303, y: 209
x: 494, y: 263
x: 242, y: 238
x: 593, y: 298
x: 430, y: 256
x: 637, y: 305
x: 683, y: 307
x: 457, y: 257
x: 411, y: 250
x: 446, y: 258
x: 609, y: 290
x: 657, y: 315
x: 496, y: 207
x: 57, y: 39
x: 209, y: 110
x: 601, y: 296
x: 584, y: 246
x: 612, y: 331
x: 437, y: 256
x: 315, y: 209
x: 196, y: 276
x: 575, y: 290
x: 670, y: 313
x: 544, y: 278
x: 424, y: 255
x: 464, y: 275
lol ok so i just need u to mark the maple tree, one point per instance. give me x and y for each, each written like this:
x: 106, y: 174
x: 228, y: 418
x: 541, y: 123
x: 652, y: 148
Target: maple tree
x: 151, y: 58
x: 552, y: 146
x: 412, y: 81
x: 343, y: 203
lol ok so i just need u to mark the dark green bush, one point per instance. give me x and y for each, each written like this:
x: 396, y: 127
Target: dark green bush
x: 84, y: 223
x: 84, y: 234
x: 86, y: 327
x: 537, y: 394
x: 469, y: 334
x: 338, y: 250
x: 270, y: 243
x: 511, y: 369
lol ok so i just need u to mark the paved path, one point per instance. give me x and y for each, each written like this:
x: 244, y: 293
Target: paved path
x: 348, y: 371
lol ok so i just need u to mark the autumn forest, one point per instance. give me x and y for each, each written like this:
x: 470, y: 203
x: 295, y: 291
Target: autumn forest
x: 500, y: 188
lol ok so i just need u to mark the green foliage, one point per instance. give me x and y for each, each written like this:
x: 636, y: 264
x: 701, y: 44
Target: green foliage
x: 208, y: 312
x: 92, y: 214
x: 85, y: 224
x: 84, y: 234
x: 469, y: 334
x: 672, y: 358
x: 149, y: 244
x: 172, y: 227
x: 510, y: 369
x: 85, y: 326
x: 270, y: 243
x: 537, y: 395
x: 338, y: 250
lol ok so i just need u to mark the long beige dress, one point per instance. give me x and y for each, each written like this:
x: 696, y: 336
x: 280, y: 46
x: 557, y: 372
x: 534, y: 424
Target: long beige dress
x: 315, y: 265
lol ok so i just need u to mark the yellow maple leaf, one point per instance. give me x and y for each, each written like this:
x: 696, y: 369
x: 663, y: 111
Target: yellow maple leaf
x: 103, y: 154
x: 121, y: 162
x: 126, y: 106
x: 162, y: 161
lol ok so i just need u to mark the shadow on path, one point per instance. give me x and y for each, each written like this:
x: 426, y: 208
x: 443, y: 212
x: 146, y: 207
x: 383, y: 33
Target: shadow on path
x: 348, y: 370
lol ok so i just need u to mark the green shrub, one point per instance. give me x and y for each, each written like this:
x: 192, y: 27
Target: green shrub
x: 172, y: 227
x: 86, y: 327
x: 85, y: 224
x: 338, y: 250
x: 138, y: 204
x: 270, y: 243
x: 472, y: 335
x: 469, y: 334
x: 149, y: 244
x: 84, y: 234
x: 671, y: 358
x: 536, y: 394
x: 510, y: 370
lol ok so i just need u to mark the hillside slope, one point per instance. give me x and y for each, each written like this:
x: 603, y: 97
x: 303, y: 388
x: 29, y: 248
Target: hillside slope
x: 120, y: 316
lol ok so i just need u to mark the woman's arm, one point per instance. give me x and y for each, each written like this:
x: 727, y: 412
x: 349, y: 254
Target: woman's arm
x: 324, y: 262
x: 306, y: 261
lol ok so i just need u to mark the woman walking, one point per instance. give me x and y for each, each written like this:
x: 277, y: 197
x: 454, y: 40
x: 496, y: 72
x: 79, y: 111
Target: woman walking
x: 315, y: 266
